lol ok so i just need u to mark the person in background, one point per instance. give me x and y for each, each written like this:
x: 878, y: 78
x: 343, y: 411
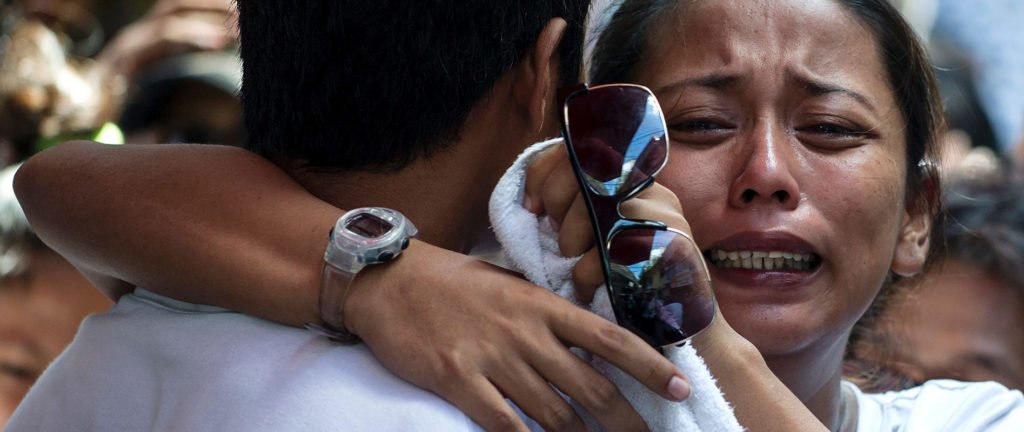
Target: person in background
x: 990, y: 34
x: 47, y: 93
x: 178, y: 73
x: 50, y: 93
x: 963, y: 319
x: 188, y: 98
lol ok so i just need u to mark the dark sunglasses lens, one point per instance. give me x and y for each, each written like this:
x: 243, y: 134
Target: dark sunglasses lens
x: 659, y: 285
x: 618, y: 135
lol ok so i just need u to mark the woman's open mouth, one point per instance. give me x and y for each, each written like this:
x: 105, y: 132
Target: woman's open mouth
x: 763, y: 260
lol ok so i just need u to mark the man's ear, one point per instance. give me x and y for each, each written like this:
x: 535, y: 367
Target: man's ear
x: 913, y: 244
x: 538, y: 75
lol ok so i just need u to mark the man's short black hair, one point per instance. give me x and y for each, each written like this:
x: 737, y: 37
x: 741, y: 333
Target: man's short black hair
x: 372, y: 85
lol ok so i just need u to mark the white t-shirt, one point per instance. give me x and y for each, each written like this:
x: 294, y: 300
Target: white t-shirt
x: 156, y: 364
x: 941, y: 405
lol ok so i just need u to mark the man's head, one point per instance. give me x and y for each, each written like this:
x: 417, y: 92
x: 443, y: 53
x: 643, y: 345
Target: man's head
x: 356, y: 85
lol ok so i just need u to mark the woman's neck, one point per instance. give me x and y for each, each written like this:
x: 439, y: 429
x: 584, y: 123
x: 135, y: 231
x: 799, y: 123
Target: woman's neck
x: 814, y: 374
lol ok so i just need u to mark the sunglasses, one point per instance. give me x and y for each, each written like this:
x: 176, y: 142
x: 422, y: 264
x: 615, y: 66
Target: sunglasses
x: 656, y: 276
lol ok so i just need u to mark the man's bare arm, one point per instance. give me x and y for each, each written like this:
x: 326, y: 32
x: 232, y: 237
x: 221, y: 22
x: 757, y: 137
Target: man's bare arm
x: 121, y: 214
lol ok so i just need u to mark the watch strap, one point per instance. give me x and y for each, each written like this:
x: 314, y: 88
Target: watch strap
x: 334, y: 290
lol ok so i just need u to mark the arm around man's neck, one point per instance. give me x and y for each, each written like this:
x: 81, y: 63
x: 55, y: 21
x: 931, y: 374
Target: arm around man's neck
x: 222, y: 226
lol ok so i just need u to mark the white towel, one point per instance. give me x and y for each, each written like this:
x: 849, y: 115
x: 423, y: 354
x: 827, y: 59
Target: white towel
x: 531, y: 246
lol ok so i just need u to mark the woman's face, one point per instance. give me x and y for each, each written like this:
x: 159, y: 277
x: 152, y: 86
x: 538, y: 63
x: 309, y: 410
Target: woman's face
x: 789, y: 159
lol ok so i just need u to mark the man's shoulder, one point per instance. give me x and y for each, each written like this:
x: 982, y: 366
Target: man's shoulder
x: 166, y: 365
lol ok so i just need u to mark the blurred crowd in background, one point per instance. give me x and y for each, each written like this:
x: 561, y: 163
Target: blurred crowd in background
x: 134, y: 71
x: 166, y: 71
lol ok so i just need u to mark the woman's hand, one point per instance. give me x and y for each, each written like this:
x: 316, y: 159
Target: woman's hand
x: 474, y: 334
x: 552, y: 189
x: 761, y: 401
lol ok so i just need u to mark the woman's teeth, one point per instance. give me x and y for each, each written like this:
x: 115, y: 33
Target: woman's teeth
x: 761, y: 260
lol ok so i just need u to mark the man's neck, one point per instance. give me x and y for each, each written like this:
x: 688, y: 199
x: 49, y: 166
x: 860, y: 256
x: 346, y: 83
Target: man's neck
x: 446, y: 194
x: 443, y: 196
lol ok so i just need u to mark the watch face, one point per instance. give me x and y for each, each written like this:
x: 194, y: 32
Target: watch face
x: 365, y: 236
x: 368, y: 225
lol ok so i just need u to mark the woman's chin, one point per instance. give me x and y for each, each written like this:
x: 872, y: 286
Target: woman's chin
x: 775, y: 329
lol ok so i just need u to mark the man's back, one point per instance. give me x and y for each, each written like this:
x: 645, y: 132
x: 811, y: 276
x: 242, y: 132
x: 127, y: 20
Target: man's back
x: 153, y: 363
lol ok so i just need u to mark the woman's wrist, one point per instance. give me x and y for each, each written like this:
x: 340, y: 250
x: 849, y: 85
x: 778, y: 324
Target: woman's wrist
x: 719, y: 344
x: 399, y: 272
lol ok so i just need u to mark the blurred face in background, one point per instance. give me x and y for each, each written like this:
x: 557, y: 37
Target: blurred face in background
x: 962, y: 322
x: 39, y: 315
x: 194, y: 113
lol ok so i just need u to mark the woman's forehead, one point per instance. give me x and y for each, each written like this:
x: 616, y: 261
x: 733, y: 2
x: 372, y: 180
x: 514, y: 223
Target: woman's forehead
x: 815, y: 38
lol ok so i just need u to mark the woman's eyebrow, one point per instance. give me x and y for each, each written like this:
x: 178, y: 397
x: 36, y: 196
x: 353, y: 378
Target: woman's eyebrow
x: 819, y: 88
x: 716, y: 81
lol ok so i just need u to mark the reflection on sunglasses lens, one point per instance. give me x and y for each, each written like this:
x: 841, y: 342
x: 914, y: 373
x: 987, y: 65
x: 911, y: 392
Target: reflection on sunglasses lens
x: 659, y: 285
x: 618, y: 136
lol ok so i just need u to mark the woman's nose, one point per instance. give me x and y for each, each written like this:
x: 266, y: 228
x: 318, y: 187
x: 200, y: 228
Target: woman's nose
x: 766, y: 177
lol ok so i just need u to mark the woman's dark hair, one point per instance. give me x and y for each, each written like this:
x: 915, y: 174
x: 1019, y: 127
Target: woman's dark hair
x: 372, y: 85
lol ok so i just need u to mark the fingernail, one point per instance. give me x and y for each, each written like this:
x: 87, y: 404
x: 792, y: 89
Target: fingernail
x: 678, y: 388
x: 528, y: 203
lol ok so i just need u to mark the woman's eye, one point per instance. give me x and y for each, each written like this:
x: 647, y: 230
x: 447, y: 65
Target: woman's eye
x: 696, y: 126
x: 836, y: 130
x: 832, y: 136
x: 700, y: 131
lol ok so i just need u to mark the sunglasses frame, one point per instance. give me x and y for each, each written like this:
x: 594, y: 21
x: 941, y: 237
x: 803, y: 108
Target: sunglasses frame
x: 605, y: 213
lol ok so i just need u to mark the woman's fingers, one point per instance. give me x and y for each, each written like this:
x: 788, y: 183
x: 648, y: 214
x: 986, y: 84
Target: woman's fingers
x: 536, y: 398
x: 537, y: 174
x: 488, y: 330
x: 587, y: 276
x: 624, y: 350
x: 575, y: 235
x: 656, y: 203
x: 559, y: 192
x: 483, y: 403
x: 590, y: 389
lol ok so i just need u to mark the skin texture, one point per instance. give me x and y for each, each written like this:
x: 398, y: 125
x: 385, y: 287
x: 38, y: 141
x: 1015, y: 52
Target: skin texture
x: 39, y: 314
x: 962, y: 322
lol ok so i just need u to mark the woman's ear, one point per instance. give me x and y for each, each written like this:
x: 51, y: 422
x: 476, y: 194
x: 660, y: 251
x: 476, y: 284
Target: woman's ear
x: 536, y: 80
x: 913, y: 244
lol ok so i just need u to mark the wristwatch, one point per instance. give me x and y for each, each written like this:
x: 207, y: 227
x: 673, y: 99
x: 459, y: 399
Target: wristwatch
x: 360, y: 237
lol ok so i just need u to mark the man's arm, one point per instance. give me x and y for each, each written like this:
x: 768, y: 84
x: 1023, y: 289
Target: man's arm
x: 222, y: 226
x: 168, y: 218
